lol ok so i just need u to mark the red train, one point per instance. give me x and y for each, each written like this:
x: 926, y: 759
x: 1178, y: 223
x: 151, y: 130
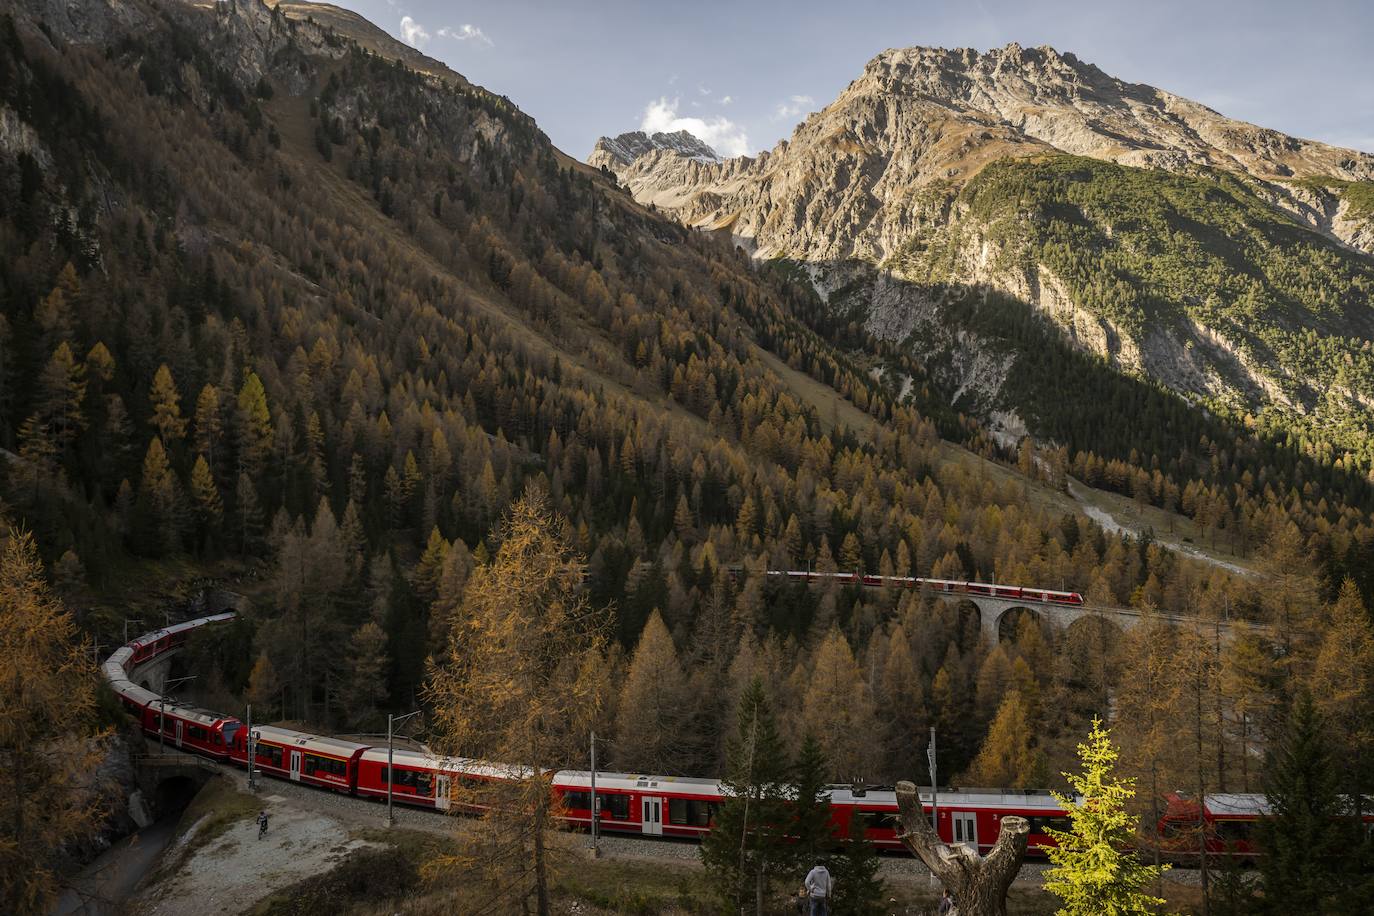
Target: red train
x: 627, y: 803
x: 948, y: 586
x: 1224, y: 823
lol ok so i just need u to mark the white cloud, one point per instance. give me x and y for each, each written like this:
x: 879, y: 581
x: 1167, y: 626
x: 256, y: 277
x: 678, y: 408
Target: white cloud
x: 723, y: 135
x: 466, y: 32
x: 703, y: 90
x: 795, y: 105
x: 727, y: 100
x: 412, y: 33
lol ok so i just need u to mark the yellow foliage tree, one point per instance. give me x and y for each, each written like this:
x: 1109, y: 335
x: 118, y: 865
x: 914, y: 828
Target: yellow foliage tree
x: 49, y: 744
x: 653, y: 704
x: 1008, y: 757
x: 520, y: 682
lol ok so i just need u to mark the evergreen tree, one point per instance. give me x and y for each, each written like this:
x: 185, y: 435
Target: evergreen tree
x: 748, y: 847
x: 811, y: 812
x: 858, y: 889
x: 1307, y: 843
x: 364, y: 684
x: 1094, y: 870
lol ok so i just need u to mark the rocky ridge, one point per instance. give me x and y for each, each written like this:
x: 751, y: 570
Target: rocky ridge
x: 624, y: 149
x: 882, y: 168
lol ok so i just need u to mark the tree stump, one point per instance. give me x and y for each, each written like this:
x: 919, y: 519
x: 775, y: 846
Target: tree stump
x: 979, y: 884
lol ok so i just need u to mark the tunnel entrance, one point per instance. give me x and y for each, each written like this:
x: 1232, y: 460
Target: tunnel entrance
x: 173, y: 795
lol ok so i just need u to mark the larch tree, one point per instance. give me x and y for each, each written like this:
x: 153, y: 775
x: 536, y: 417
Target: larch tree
x: 1008, y: 756
x: 209, y: 425
x: 1343, y: 690
x: 654, y: 704
x: 837, y: 708
x: 49, y: 741
x: 253, y: 426
x: 1094, y: 871
x: 519, y: 682
x: 166, y: 404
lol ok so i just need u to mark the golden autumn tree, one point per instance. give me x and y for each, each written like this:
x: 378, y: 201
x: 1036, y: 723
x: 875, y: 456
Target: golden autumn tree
x: 654, y: 704
x: 1008, y: 756
x: 49, y: 745
x: 520, y: 682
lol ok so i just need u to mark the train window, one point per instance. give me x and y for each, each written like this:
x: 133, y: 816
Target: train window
x: 197, y: 733
x: 1233, y: 831
x: 699, y: 813
x: 677, y: 811
x: 269, y: 755
x: 1043, y: 825
x: 617, y: 806
x: 580, y: 801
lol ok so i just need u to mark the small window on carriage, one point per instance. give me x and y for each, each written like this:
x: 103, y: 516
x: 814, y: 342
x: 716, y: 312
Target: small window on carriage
x: 677, y: 811
x: 617, y: 806
x: 699, y: 813
x: 577, y: 801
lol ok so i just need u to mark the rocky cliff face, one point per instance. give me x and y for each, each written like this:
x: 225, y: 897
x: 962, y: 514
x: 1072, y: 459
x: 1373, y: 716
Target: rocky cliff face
x: 865, y: 186
x: 618, y: 152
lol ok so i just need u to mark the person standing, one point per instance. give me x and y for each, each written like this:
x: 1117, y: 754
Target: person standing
x: 262, y: 823
x: 946, y: 904
x: 819, y: 887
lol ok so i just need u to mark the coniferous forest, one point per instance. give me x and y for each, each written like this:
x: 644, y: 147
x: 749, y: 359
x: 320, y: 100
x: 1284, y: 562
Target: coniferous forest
x: 283, y: 314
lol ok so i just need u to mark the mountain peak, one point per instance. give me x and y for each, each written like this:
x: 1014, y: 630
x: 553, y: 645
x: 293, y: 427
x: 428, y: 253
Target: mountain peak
x: 625, y: 148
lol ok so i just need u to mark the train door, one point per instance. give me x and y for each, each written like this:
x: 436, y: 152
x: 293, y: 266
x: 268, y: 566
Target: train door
x: 651, y: 823
x: 965, y: 825
x: 295, y: 765
x: 179, y: 725
x: 441, y: 793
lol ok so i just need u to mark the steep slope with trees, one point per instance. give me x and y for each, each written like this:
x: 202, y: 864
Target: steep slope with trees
x: 272, y: 302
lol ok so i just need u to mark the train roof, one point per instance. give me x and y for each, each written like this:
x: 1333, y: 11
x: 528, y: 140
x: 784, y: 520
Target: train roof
x: 1238, y: 804
x: 458, y: 766
x: 121, y: 658
x: 196, y: 714
x: 950, y: 798
x: 306, y: 741
x: 132, y: 692
x: 182, y: 627
x: 635, y: 781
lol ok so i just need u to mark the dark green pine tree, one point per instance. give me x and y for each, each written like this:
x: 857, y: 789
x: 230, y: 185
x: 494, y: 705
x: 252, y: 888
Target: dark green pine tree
x: 811, y: 824
x: 1304, y: 863
x: 858, y: 889
x: 748, y: 847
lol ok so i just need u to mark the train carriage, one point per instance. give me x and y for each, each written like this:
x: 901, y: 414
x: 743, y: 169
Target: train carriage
x: 189, y: 728
x: 971, y: 816
x: 647, y: 805
x: 330, y: 763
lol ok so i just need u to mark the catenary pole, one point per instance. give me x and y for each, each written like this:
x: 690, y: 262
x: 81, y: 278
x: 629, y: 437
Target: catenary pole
x: 390, y: 756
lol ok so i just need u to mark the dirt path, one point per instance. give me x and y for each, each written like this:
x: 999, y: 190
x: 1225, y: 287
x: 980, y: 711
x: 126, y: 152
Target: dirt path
x: 232, y: 871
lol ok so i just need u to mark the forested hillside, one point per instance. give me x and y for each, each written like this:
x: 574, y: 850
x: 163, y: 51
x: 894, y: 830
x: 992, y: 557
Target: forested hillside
x: 269, y: 301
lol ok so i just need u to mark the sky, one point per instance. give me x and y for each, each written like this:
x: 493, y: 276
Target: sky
x: 741, y: 75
